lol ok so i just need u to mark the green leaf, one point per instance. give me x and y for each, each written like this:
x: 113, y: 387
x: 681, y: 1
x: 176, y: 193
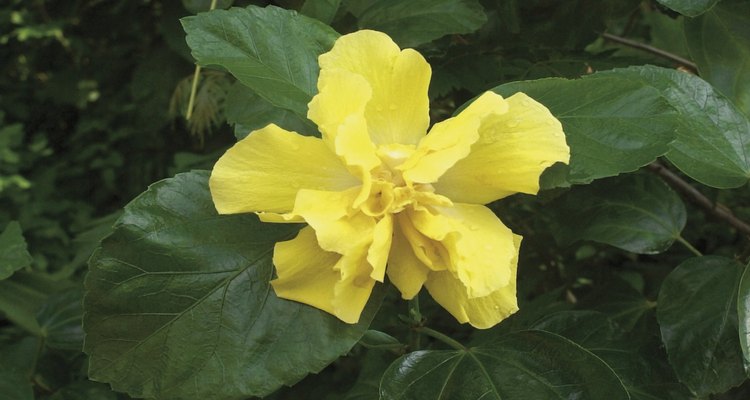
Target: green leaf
x: 697, y: 313
x: 743, y: 310
x: 637, y: 213
x: 373, y: 339
x: 271, y: 50
x: 411, y: 23
x: 712, y: 144
x: 13, y: 253
x: 15, y: 385
x: 621, y: 302
x: 719, y: 42
x: 23, y: 295
x: 248, y: 112
x: 84, y: 390
x: 691, y: 8
x: 644, y: 376
x: 60, y: 320
x: 179, y: 305
x: 322, y: 10
x: 196, y: 6
x: 612, y: 125
x: 521, y: 365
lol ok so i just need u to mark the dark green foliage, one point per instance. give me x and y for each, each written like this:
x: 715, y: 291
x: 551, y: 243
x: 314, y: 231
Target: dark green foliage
x: 613, y: 302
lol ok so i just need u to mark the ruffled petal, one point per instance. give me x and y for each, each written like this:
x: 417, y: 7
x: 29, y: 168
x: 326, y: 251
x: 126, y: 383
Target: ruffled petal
x: 264, y: 172
x: 339, y: 285
x: 451, y: 140
x: 398, y: 110
x: 353, y: 290
x: 377, y: 254
x: 338, y: 227
x: 305, y: 271
x: 512, y: 152
x: 405, y: 270
x: 481, y: 312
x: 480, y: 247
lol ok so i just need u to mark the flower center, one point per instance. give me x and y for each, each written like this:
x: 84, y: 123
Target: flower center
x: 390, y: 192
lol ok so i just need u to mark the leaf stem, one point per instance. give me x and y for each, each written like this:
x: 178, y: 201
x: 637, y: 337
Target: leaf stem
x: 651, y: 49
x: 699, y: 199
x: 37, y: 356
x: 442, y: 337
x: 689, y: 246
x: 196, y: 77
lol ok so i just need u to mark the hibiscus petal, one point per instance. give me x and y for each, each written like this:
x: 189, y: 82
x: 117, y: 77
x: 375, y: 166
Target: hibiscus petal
x: 265, y: 170
x: 451, y: 140
x: 481, y: 312
x: 377, y: 254
x: 353, y: 290
x: 512, y: 152
x: 398, y: 109
x: 305, y: 271
x: 338, y: 227
x: 480, y: 247
x: 405, y: 270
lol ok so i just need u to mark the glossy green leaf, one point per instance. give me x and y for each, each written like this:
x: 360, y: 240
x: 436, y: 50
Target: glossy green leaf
x: 322, y: 10
x: 13, y: 253
x: 415, y: 22
x: 271, y: 50
x: 60, y: 320
x: 637, y: 213
x: 712, y: 144
x: 644, y: 376
x: 691, y: 8
x: 697, y: 313
x: 521, y: 365
x: 373, y: 339
x: 612, y: 125
x: 179, y: 305
x: 248, y: 112
x: 743, y: 312
x: 719, y: 42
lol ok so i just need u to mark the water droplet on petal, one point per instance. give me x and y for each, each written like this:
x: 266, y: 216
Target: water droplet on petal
x: 513, y: 123
x: 392, y: 107
x: 379, y: 108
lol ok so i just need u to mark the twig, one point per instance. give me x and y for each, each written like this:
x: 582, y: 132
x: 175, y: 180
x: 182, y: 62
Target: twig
x: 651, y: 49
x: 196, y: 77
x: 718, y: 210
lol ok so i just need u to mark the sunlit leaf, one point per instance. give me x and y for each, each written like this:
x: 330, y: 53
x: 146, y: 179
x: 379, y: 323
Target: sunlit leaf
x: 271, y: 50
x: 179, y: 304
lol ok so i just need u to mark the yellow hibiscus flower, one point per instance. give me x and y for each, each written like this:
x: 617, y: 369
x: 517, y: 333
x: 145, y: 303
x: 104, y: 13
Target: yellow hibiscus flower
x: 381, y: 196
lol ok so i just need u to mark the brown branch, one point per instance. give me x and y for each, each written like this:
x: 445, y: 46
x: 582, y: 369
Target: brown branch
x: 696, y: 197
x: 651, y: 49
